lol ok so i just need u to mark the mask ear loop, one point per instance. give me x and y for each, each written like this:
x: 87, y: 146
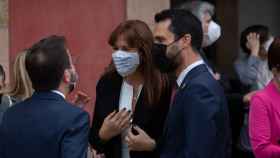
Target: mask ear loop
x: 177, y: 53
x: 176, y: 40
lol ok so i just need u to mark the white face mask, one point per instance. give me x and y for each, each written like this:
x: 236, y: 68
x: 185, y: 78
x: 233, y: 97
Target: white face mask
x: 125, y: 62
x: 214, y: 32
x: 268, y: 43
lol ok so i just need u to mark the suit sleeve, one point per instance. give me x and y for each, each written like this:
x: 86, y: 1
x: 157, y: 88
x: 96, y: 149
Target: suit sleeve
x: 247, y: 70
x: 260, y: 131
x: 2, y: 140
x: 75, y: 140
x: 200, y: 124
x: 159, y: 118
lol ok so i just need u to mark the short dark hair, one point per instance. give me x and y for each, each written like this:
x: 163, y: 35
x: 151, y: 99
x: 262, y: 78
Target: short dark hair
x: 273, y: 56
x: 262, y: 30
x: 46, y: 62
x: 2, y: 73
x: 183, y: 22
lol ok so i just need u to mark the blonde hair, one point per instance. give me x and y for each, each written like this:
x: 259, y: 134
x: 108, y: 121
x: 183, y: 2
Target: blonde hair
x: 22, y: 86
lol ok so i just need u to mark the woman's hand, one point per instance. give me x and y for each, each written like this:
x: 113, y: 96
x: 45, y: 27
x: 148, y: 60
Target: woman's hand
x: 253, y: 43
x: 114, y: 124
x: 248, y: 96
x: 140, y: 142
x: 81, y: 99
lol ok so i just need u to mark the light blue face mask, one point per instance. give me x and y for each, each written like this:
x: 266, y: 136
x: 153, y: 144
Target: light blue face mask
x: 125, y: 62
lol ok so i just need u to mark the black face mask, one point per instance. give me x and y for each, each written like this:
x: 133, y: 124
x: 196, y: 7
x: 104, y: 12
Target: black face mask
x: 162, y: 62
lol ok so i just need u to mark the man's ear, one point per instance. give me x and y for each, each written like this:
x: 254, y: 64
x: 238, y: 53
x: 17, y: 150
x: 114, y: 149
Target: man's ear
x: 67, y: 76
x: 187, y: 40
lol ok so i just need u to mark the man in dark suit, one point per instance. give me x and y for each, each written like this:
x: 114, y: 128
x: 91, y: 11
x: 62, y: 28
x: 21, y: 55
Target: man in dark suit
x: 198, y: 122
x: 45, y: 125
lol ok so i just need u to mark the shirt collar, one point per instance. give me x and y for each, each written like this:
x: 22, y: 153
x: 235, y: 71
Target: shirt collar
x: 59, y: 93
x: 184, y: 73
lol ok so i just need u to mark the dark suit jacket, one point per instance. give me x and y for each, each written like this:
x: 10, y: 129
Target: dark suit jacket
x: 4, y: 105
x: 148, y: 117
x: 44, y: 126
x: 198, y: 122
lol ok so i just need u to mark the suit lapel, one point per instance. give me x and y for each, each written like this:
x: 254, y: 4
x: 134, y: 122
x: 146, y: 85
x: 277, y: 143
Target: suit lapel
x: 140, y: 109
x: 116, y: 91
x: 187, y: 80
x: 192, y: 74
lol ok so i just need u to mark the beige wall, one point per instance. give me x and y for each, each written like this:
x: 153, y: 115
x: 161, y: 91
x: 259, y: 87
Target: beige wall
x: 145, y: 9
x: 136, y: 9
x: 4, y: 41
x: 4, y: 56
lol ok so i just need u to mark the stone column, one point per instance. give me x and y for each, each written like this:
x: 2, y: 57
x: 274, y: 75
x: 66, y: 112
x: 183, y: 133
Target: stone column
x: 145, y: 9
x: 4, y: 40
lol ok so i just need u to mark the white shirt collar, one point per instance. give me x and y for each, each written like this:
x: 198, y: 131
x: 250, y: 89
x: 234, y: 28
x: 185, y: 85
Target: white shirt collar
x: 184, y: 73
x: 59, y: 93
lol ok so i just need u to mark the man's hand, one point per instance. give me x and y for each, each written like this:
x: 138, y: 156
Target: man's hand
x: 248, y: 96
x: 81, y: 99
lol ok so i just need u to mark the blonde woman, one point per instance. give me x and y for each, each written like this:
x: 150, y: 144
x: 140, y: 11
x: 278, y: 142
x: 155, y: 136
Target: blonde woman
x: 22, y: 86
x: 4, y: 100
x: 20, y: 89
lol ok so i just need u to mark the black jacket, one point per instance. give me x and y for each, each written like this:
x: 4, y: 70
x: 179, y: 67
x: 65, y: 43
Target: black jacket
x: 150, y: 118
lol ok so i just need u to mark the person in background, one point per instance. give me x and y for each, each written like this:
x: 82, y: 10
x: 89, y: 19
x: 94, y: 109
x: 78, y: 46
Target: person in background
x: 264, y: 121
x: 197, y: 124
x: 4, y: 100
x: 132, y: 97
x: 252, y: 65
x: 21, y: 88
x: 205, y: 12
x: 45, y: 125
x: 2, y: 78
x: 252, y: 70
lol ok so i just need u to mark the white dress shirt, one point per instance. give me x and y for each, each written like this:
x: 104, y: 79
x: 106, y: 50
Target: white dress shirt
x: 185, y: 72
x: 59, y: 93
x: 126, y: 98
